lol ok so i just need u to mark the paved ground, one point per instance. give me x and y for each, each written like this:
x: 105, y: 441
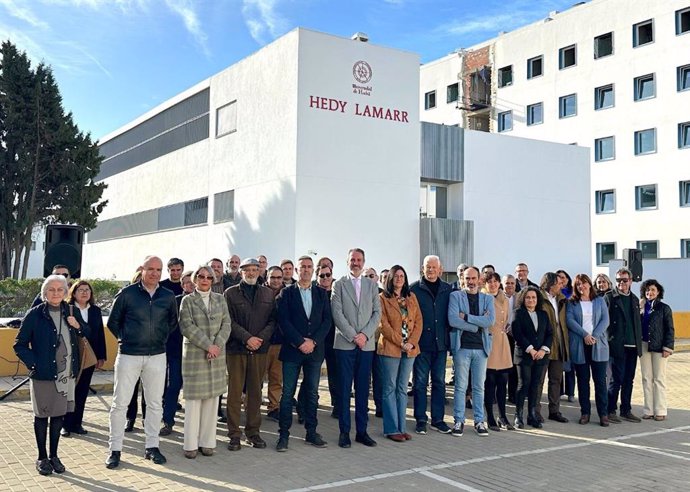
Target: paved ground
x: 646, y: 456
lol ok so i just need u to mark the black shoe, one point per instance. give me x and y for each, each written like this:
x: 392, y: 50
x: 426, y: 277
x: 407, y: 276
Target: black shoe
x: 166, y: 430
x: 505, y: 424
x: 316, y: 441
x: 344, y: 440
x: 222, y: 419
x: 81, y: 431
x: 255, y: 441
x: 65, y: 433
x: 273, y: 415
x: 631, y: 418
x: 44, y: 467
x: 282, y: 444
x: 130, y: 425
x: 365, y: 439
x: 113, y: 460
x: 533, y: 420
x: 519, y: 422
x: 558, y: 418
x: 155, y: 455
x: 420, y: 428
x: 234, y: 444
x: 441, y: 427
x: 57, y: 465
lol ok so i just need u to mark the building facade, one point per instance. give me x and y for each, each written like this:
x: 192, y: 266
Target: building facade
x: 313, y: 145
x: 611, y: 75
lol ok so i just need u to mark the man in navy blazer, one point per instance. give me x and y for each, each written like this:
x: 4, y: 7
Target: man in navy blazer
x: 470, y: 314
x: 304, y: 317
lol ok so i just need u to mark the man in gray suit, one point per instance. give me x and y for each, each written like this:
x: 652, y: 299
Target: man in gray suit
x: 356, y: 313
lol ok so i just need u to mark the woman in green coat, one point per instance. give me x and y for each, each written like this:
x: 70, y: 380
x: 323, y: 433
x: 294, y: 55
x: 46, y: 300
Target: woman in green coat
x: 205, y: 325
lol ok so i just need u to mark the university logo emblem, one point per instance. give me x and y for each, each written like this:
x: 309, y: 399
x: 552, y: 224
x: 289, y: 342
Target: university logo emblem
x: 362, y: 72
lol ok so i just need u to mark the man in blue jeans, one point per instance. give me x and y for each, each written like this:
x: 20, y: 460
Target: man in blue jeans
x: 470, y: 314
x: 304, y: 317
x: 432, y: 295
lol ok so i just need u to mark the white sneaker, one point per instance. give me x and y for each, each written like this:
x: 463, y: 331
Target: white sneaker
x: 458, y: 429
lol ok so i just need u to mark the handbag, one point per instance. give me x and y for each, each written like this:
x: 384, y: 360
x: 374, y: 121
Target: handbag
x: 87, y: 357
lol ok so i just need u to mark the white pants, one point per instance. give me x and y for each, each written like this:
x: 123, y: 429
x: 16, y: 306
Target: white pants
x: 653, y: 368
x: 129, y: 368
x: 200, y: 423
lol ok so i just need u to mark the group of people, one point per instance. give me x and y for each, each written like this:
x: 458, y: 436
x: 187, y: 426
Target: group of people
x: 215, y: 332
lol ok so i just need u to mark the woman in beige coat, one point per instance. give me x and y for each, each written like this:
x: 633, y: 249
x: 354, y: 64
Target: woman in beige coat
x: 500, y: 362
x: 205, y: 325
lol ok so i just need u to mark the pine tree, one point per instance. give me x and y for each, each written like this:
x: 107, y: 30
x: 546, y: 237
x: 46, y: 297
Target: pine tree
x: 48, y: 164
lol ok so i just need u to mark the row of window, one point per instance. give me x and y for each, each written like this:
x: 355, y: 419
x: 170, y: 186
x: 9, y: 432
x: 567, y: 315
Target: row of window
x: 644, y: 87
x: 650, y: 249
x: 644, y: 141
x: 176, y: 216
x: 645, y: 198
x: 642, y: 34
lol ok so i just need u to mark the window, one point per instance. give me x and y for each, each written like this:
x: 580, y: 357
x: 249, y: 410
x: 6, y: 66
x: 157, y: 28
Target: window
x: 645, y: 197
x: 226, y: 119
x: 645, y: 141
x: 684, y: 192
x: 650, y: 249
x: 605, y: 253
x: 603, y: 97
x: 643, y: 33
x: 567, y: 57
x: 567, y: 106
x: 224, y: 206
x: 430, y: 100
x: 683, y: 76
x: 452, y: 93
x: 433, y: 201
x: 505, y: 121
x: 535, y: 114
x: 605, y: 201
x: 505, y: 76
x: 604, y: 149
x: 685, y: 248
x: 535, y: 67
x: 684, y: 135
x: 603, y: 45
x: 682, y: 21
x: 645, y: 87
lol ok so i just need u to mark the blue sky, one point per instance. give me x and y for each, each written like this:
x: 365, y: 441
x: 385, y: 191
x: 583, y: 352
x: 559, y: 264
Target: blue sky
x: 116, y: 59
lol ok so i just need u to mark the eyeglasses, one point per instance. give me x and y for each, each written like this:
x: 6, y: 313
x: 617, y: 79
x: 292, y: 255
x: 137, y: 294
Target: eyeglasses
x: 66, y: 275
x: 371, y: 275
x: 84, y: 291
x: 204, y: 277
x: 622, y: 280
x: 276, y: 277
x: 325, y: 275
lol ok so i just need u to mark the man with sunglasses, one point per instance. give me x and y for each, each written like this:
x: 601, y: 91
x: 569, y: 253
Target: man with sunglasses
x: 57, y: 270
x: 324, y: 280
x: 625, y: 345
x: 274, y: 368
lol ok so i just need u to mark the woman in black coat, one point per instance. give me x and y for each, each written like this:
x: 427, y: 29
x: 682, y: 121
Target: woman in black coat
x: 80, y: 298
x: 47, y: 345
x: 657, y: 346
x: 533, y: 335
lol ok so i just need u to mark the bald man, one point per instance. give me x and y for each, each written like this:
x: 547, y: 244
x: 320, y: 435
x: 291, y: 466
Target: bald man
x: 143, y: 316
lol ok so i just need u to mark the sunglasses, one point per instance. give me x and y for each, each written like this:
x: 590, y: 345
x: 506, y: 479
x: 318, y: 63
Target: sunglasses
x: 204, y: 277
x: 325, y: 275
x: 622, y: 280
x: 66, y: 275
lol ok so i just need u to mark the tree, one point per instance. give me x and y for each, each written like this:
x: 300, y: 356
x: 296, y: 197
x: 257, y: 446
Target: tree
x: 48, y: 165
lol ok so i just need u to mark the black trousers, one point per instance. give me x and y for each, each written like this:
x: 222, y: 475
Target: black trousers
x: 529, y: 376
x: 73, y: 420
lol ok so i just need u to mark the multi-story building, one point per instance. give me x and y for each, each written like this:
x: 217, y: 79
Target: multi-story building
x: 313, y: 145
x: 611, y: 75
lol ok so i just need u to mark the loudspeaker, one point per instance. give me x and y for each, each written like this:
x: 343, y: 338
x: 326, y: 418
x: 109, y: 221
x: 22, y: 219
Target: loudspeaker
x: 632, y: 259
x: 63, y: 247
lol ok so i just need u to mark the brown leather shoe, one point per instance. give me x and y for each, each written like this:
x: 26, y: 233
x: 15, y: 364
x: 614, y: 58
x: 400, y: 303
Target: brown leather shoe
x: 584, y: 419
x: 190, y: 454
x: 660, y: 418
x: 648, y: 417
x: 396, y: 437
x: 207, y: 451
x: 603, y: 421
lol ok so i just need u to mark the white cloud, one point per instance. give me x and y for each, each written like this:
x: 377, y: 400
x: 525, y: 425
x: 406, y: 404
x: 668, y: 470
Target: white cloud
x: 490, y: 23
x: 185, y: 9
x: 262, y: 19
x: 23, y: 13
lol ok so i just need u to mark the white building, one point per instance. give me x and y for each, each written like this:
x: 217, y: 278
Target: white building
x: 612, y: 75
x: 311, y: 146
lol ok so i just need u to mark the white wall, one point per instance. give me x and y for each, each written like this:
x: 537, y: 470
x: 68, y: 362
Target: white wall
x: 358, y: 176
x: 528, y: 200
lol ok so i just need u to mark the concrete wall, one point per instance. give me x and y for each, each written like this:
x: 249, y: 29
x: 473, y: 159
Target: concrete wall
x: 528, y: 200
